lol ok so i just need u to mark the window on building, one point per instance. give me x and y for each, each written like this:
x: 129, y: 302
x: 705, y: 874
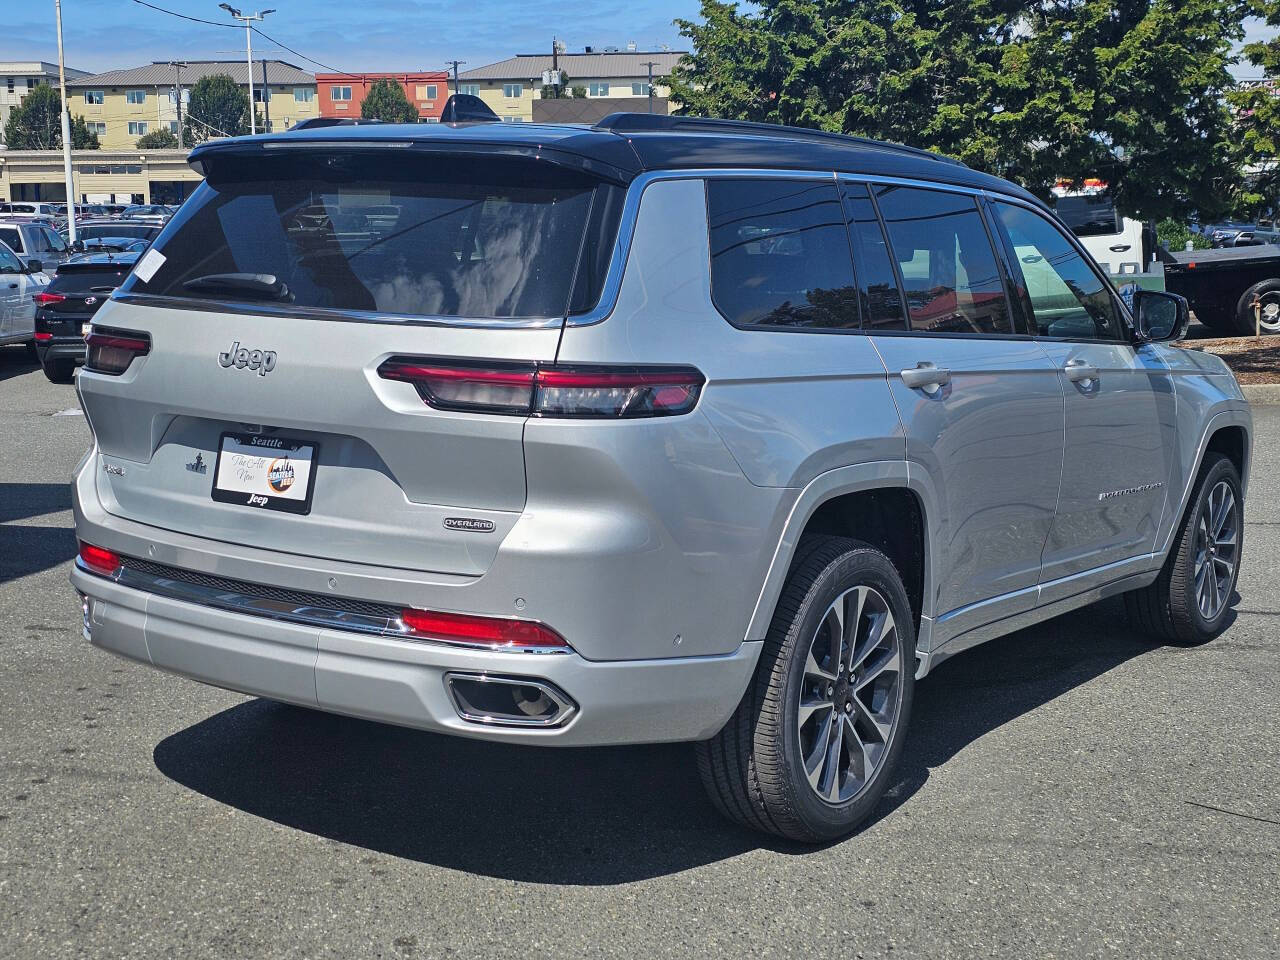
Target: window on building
x: 303, y: 94
x: 261, y: 93
x: 135, y: 96
x: 173, y: 126
x: 339, y: 93
x: 513, y: 90
x: 431, y: 91
x: 780, y: 254
x: 598, y: 90
x: 11, y: 84
x: 98, y: 127
x: 137, y: 128
x: 640, y: 89
x: 33, y: 82
x: 949, y: 272
x: 93, y: 96
x: 470, y: 89
x: 425, y: 91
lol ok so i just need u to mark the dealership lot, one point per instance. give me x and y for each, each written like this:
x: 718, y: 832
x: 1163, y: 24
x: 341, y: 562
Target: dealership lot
x: 1066, y: 791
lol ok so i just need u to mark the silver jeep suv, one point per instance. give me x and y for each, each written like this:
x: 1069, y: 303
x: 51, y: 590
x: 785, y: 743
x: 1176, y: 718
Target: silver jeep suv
x: 660, y: 430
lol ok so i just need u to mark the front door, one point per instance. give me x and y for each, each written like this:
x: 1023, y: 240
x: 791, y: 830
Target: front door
x: 1119, y: 403
x: 11, y: 275
x: 981, y: 404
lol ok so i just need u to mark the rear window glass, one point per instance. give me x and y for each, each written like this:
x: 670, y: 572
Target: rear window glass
x: 133, y: 231
x: 395, y: 234
x: 780, y: 254
x: 81, y: 278
x: 1093, y: 215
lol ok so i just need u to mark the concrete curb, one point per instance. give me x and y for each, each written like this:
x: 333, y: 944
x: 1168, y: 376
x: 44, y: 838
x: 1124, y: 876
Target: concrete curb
x: 1261, y: 393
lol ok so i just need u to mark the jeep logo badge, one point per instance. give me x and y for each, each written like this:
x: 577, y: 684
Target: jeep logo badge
x: 470, y: 524
x: 264, y: 361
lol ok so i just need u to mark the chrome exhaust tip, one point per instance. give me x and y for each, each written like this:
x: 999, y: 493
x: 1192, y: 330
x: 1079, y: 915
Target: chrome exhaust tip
x: 506, y: 701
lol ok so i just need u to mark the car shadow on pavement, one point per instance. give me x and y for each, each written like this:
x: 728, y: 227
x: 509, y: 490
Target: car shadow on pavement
x: 19, y: 501
x: 583, y: 816
x: 15, y: 361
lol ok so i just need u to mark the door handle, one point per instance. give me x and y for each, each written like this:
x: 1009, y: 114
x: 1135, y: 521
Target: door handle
x: 1119, y: 247
x: 13, y: 286
x: 1080, y: 371
x: 926, y: 376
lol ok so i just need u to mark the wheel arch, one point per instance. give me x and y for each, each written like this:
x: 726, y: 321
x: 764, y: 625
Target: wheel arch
x: 1229, y: 432
x: 857, y: 501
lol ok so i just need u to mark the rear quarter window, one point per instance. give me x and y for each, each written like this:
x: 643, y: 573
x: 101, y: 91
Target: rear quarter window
x: 405, y: 235
x: 780, y: 254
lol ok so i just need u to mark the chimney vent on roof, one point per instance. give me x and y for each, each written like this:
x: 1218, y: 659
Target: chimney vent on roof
x: 587, y: 50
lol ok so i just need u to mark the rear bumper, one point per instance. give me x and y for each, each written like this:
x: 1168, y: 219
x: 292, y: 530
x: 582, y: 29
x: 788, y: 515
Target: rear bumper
x: 68, y: 348
x: 403, y: 682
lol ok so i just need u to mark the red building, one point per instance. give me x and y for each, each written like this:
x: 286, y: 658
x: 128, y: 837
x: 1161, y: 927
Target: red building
x: 341, y: 94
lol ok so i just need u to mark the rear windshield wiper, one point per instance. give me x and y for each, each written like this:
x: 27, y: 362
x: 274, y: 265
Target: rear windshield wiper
x: 258, y: 286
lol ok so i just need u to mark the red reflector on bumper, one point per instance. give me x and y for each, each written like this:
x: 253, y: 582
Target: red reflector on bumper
x: 99, y: 559
x: 483, y: 631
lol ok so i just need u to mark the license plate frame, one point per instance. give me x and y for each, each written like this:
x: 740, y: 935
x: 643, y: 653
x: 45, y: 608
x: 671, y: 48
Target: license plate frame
x: 256, y: 492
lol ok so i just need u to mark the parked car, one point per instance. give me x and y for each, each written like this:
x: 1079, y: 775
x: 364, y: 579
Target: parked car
x: 148, y: 213
x: 23, y: 210
x: 117, y: 232
x: 19, y: 283
x: 66, y: 307
x: 34, y: 239
x: 660, y: 430
x: 96, y: 245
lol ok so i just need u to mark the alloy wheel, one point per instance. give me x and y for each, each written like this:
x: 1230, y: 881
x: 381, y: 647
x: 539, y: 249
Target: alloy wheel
x: 1217, y: 537
x: 1269, y: 318
x: 850, y: 694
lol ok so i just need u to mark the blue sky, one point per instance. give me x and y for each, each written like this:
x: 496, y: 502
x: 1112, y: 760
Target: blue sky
x: 350, y: 35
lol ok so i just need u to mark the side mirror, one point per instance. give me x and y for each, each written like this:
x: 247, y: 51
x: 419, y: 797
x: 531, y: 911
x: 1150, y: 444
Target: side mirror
x: 1160, y: 316
x: 77, y: 246
x: 35, y: 266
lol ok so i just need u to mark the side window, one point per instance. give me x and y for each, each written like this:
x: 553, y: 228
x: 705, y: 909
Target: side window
x: 54, y: 241
x: 949, y: 272
x: 9, y: 263
x: 780, y: 254
x: 12, y: 236
x: 1068, y: 298
x: 878, y: 286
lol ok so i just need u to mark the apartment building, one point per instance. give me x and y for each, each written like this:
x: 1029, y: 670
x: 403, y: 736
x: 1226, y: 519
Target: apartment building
x: 511, y: 86
x: 22, y: 76
x: 123, y: 105
x: 342, y: 94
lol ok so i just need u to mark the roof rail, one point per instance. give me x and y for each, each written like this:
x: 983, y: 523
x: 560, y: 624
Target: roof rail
x: 623, y: 123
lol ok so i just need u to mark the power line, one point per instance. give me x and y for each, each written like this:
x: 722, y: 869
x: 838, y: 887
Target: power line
x: 183, y: 16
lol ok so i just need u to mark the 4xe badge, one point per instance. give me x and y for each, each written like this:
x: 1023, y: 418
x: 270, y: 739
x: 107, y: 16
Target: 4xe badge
x: 264, y: 361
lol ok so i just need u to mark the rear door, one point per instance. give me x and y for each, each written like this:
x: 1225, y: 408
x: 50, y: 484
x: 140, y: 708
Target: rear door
x: 980, y: 401
x: 271, y: 301
x: 1119, y: 401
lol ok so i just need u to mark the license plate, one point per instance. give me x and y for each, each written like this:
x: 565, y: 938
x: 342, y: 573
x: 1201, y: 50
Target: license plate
x: 85, y: 328
x: 268, y: 472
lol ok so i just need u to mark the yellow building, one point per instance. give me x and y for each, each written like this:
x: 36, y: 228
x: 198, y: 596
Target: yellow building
x: 100, y: 176
x: 511, y: 86
x: 123, y: 105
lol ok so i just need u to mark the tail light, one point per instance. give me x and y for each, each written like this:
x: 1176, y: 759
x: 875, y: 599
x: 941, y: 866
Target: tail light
x: 45, y: 299
x: 43, y: 335
x: 527, y: 389
x: 99, y: 559
x: 112, y: 353
x: 480, y: 631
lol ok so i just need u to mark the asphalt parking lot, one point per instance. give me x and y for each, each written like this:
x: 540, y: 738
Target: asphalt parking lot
x: 1068, y: 791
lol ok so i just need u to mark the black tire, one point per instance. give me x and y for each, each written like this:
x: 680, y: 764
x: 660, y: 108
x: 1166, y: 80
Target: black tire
x: 1268, y: 292
x: 1217, y: 318
x: 754, y: 768
x: 1168, y: 609
x: 32, y: 353
x: 60, y: 371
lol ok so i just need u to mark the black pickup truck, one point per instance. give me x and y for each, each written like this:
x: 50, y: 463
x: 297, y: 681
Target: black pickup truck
x: 1222, y: 285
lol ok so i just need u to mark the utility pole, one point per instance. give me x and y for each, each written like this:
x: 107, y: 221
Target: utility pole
x: 266, y: 97
x: 650, y: 86
x: 453, y: 108
x: 177, y: 93
x: 66, y: 131
x: 555, y: 65
x: 247, y: 19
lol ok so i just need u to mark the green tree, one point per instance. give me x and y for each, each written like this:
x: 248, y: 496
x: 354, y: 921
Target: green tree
x: 36, y: 124
x: 578, y: 91
x: 1257, y: 110
x: 162, y: 139
x: 1128, y: 90
x: 386, y: 101
x: 218, y: 108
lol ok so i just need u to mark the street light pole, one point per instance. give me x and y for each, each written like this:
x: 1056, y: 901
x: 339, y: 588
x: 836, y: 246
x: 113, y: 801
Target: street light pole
x: 66, y: 130
x: 247, y: 19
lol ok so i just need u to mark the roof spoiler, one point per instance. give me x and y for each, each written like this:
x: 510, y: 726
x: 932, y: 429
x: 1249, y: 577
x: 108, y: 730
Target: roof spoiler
x: 315, y: 123
x: 464, y: 108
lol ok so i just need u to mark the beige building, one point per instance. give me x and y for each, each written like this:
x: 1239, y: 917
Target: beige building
x: 100, y: 176
x: 123, y: 105
x: 20, y: 77
x: 510, y: 86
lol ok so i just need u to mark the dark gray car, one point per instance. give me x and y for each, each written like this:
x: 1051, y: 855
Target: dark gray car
x: 33, y: 240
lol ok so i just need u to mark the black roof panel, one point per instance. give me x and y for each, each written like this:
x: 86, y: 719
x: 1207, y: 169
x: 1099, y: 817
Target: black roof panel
x: 623, y: 146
